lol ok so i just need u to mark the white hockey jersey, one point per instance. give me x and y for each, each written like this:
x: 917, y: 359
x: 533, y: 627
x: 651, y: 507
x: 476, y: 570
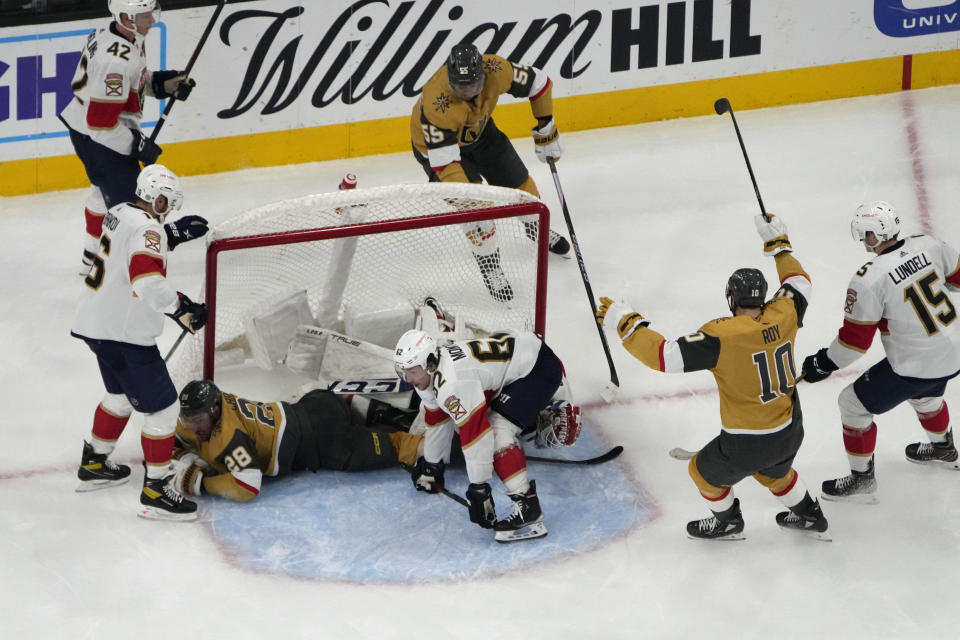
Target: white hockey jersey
x: 108, y: 88
x: 470, y: 373
x: 126, y: 293
x: 903, y: 294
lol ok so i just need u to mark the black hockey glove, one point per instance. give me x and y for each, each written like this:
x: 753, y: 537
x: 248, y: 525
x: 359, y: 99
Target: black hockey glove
x: 190, y: 315
x: 428, y: 476
x: 170, y: 83
x: 144, y: 149
x: 186, y: 228
x: 818, y: 367
x: 481, y: 505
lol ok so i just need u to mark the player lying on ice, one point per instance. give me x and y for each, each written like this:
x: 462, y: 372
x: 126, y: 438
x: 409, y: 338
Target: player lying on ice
x: 491, y: 392
x: 229, y: 443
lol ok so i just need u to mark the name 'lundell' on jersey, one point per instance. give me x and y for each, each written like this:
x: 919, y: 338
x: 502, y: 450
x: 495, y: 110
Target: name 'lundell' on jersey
x: 905, y: 294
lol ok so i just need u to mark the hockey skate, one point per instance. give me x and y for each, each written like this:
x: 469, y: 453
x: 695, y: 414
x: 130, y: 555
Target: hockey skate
x: 859, y: 486
x: 97, y: 471
x: 160, y: 500
x: 494, y: 277
x: 558, y: 244
x: 725, y: 525
x: 526, y: 520
x: 810, y: 519
x: 934, y: 453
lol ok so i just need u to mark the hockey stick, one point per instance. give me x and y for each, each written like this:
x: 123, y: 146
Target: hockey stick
x: 609, y: 391
x: 176, y: 344
x: 681, y: 454
x: 722, y: 106
x: 455, y: 497
x: 606, y: 457
x: 193, y: 59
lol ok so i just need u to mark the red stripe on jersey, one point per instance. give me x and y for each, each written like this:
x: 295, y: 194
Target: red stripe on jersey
x: 954, y: 278
x: 104, y: 115
x: 442, y: 167
x: 244, y: 485
x: 663, y: 364
x: 509, y: 462
x: 94, y: 222
x: 882, y: 326
x: 858, y: 336
x: 146, y: 264
x: 433, y: 417
x: 540, y: 93
x: 132, y: 104
x: 474, y: 428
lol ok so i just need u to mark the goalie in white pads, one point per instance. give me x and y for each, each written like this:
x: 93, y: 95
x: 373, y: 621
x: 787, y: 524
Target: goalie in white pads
x: 492, y: 393
x: 904, y: 293
x: 125, y: 298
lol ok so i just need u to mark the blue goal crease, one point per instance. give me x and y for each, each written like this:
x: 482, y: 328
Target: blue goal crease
x: 374, y: 527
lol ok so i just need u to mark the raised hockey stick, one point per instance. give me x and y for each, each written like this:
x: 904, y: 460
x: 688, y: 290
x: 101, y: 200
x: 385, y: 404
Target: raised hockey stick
x: 610, y: 390
x: 722, y: 106
x: 193, y: 59
x: 605, y: 457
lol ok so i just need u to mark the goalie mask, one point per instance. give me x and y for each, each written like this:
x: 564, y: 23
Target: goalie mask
x: 879, y: 218
x: 156, y: 180
x: 746, y: 288
x: 415, y: 348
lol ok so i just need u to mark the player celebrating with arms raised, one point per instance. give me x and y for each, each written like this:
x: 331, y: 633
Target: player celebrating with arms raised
x: 456, y: 140
x: 900, y: 292
x: 751, y: 357
x: 104, y: 116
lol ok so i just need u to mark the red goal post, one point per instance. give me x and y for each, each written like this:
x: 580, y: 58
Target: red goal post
x: 363, y: 257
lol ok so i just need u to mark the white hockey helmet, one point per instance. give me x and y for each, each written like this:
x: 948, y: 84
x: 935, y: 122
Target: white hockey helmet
x: 415, y: 347
x: 156, y: 180
x: 132, y: 8
x: 879, y: 217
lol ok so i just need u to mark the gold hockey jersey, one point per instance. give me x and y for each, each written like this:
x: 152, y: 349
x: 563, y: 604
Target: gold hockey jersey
x: 242, y: 449
x: 441, y: 123
x: 751, y: 359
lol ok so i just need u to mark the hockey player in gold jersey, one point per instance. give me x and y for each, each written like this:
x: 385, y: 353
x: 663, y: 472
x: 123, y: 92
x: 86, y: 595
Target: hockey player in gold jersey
x: 455, y: 139
x: 751, y: 357
x: 229, y: 443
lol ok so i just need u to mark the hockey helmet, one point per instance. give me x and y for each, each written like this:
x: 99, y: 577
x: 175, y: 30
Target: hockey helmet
x: 879, y: 217
x: 465, y: 71
x: 200, y: 397
x: 746, y: 288
x: 156, y: 180
x: 132, y: 8
x: 415, y: 348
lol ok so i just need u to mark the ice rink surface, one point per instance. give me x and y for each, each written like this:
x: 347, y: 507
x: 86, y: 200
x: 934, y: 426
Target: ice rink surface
x: 663, y: 214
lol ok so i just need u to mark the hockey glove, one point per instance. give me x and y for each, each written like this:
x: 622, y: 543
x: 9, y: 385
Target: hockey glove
x: 188, y: 475
x: 481, y: 505
x: 184, y: 229
x: 773, y: 232
x: 428, y: 476
x: 144, y: 149
x: 547, y: 139
x: 622, y: 316
x: 189, y: 314
x: 818, y: 367
x: 171, y: 84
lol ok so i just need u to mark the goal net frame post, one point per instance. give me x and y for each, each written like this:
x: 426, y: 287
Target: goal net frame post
x: 222, y: 245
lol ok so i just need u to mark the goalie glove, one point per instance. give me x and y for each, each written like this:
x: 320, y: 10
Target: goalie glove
x: 188, y: 474
x: 620, y: 315
x: 185, y: 229
x: 773, y: 232
x: 547, y: 140
x: 189, y: 314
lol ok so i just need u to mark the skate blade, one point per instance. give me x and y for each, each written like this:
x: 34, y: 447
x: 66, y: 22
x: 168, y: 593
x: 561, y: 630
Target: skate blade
x: 529, y: 532
x: 953, y: 466
x: 810, y: 533
x: 95, y: 485
x: 153, y: 513
x: 729, y: 537
x: 857, y: 498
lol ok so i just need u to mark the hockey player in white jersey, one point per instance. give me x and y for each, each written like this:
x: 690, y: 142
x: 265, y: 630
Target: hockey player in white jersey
x: 104, y: 116
x: 492, y: 392
x: 903, y: 293
x: 120, y: 315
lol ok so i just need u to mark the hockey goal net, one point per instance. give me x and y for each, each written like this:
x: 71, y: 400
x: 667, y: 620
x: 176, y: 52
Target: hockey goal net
x: 361, y: 263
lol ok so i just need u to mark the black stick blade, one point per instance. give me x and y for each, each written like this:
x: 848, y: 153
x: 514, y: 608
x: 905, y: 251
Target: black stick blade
x: 721, y: 106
